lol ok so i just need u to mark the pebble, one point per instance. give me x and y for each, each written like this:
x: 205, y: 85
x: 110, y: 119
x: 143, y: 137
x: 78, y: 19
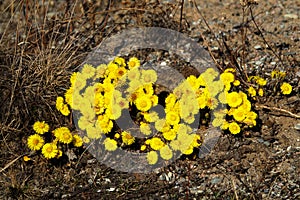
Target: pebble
x: 291, y: 16
x: 111, y: 189
x: 297, y: 127
x: 257, y: 47
x: 216, y: 180
x: 273, y: 63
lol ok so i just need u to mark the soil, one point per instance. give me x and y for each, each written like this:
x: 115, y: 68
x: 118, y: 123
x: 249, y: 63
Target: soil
x: 38, y: 54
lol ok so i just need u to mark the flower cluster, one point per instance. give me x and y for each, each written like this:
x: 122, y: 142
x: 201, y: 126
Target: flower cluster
x: 100, y: 96
x: 60, y: 136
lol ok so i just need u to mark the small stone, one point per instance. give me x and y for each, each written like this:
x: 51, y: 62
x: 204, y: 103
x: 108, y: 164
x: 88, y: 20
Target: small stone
x: 111, y: 189
x: 289, y: 148
x: 291, y: 16
x: 257, y: 47
x: 273, y: 63
x: 297, y: 127
x: 215, y: 180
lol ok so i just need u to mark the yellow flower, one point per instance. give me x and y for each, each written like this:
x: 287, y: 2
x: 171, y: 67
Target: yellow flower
x: 133, y: 62
x: 65, y: 110
x: 117, y: 136
x: 63, y: 135
x: 145, y: 128
x: 234, y: 99
x: 236, y: 83
x: 100, y: 71
x: 261, y: 81
x: 260, y: 92
x: 77, y: 140
x: 73, y: 77
x: 35, y: 142
x: 105, y: 126
x: 133, y: 74
x: 121, y: 71
x: 156, y: 143
x: 151, y: 116
x: 286, y: 88
x: 252, y: 91
x: 88, y: 71
x: 110, y: 144
x: 172, y: 118
x: 218, y: 121
x: 160, y: 124
x: 59, y: 154
x: 239, y: 114
x: 127, y: 138
x: 111, y: 68
x: 86, y: 140
x: 169, y: 135
x: 120, y: 61
x: 148, y: 76
x: 193, y: 81
x: 68, y: 97
x: 143, y: 103
x: 49, y: 150
x: 196, y: 140
x: 59, y: 103
x: 166, y: 153
x: 234, y: 128
x: 227, y: 77
x: 79, y: 82
x: 143, y: 147
x: 246, y: 105
x: 40, y: 127
x: 152, y: 157
x: 26, y: 158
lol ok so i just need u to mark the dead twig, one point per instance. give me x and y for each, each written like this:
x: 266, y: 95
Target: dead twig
x: 278, y: 110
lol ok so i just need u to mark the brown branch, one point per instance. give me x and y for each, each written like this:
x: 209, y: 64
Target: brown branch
x: 278, y: 110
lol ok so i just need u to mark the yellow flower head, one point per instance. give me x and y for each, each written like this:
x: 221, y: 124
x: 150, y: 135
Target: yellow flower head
x: 170, y: 134
x: 88, y: 71
x: 143, y: 103
x: 260, y: 92
x: 49, y: 150
x: 35, y: 142
x: 151, y: 116
x: 286, y: 88
x: 120, y: 72
x: 77, y: 140
x: 145, y: 128
x: 148, y: 76
x: 252, y: 91
x: 156, y: 143
x: 234, y: 128
x: 166, y: 153
x: 110, y: 144
x: 227, y: 78
x: 127, y: 138
x: 120, y: 61
x: 152, y: 157
x: 239, y: 114
x: 40, y: 127
x: 133, y: 62
x: 100, y: 71
x: 63, y: 135
x: 133, y: 74
x: 234, y: 99
x: 143, y: 147
x: 26, y: 158
x: 172, y: 118
x: 261, y: 81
